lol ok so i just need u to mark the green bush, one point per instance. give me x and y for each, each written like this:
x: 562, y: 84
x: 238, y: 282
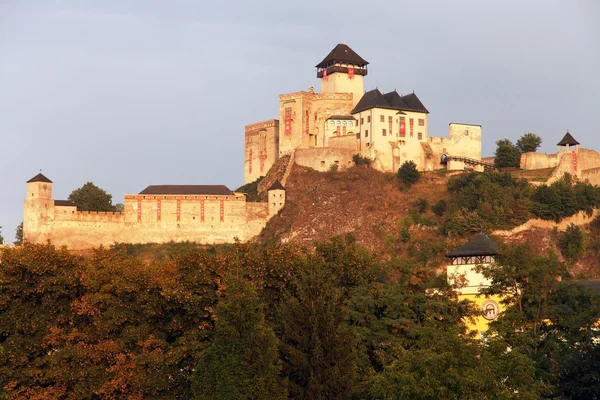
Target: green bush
x: 572, y: 243
x: 408, y: 173
x: 564, y: 198
x: 360, y: 160
x: 439, y: 208
x: 421, y: 205
x: 251, y: 190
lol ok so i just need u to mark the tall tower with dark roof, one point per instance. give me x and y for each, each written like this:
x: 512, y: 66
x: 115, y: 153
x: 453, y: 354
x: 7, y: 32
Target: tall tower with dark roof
x: 38, y: 208
x: 342, y: 71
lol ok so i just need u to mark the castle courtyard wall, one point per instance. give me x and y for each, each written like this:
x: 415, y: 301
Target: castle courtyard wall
x: 322, y: 159
x: 153, y: 219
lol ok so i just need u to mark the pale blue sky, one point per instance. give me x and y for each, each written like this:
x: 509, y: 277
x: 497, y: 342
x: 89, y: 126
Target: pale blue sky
x: 139, y: 92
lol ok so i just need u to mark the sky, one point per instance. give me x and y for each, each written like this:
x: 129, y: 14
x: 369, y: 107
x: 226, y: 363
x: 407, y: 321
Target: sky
x: 130, y: 93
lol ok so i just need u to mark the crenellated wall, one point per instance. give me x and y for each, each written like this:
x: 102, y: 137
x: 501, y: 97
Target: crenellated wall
x: 322, y: 159
x: 208, y: 219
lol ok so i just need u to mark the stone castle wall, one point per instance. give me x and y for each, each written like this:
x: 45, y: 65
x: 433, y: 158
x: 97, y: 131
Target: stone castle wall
x: 207, y: 219
x: 322, y: 159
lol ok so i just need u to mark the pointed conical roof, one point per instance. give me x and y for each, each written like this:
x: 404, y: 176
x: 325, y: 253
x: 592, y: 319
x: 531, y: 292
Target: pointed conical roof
x: 276, y: 186
x: 39, y: 178
x: 343, y: 54
x: 479, y: 245
x: 568, y: 140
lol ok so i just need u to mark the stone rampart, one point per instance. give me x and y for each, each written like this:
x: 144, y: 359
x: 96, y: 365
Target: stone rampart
x: 206, y: 219
x: 538, y: 160
x: 323, y: 158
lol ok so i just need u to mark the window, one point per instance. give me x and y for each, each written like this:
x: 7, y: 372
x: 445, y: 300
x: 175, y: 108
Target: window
x: 288, y: 111
x: 466, y: 133
x: 420, y: 136
x: 331, y: 123
x: 349, y: 123
x: 337, y: 123
x: 368, y: 118
x: 339, y: 112
x: 390, y: 119
x: 383, y: 132
x: 381, y: 118
x: 343, y: 123
x: 421, y: 122
x: 367, y: 133
x: 362, y: 120
x: 328, y: 111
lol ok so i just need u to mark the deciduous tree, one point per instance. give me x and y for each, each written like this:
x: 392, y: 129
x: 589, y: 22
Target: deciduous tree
x: 408, y: 173
x: 90, y: 197
x: 529, y: 142
x: 507, y: 155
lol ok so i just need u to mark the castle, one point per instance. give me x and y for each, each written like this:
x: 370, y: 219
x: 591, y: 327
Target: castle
x: 160, y: 213
x: 330, y: 127
x: 319, y: 130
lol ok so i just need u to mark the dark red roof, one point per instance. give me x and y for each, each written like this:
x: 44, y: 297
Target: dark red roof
x: 342, y: 54
x: 568, y: 140
x: 39, y: 178
x: 64, y: 203
x: 276, y: 186
x: 188, y: 189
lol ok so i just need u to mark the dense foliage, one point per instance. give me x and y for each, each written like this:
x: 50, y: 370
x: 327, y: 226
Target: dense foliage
x: 361, y: 160
x: 19, y: 234
x: 507, y: 155
x: 251, y: 190
x: 408, y: 173
x: 246, y: 321
x: 497, y: 200
x: 529, y: 142
x: 564, y: 197
x: 491, y: 200
x: 90, y: 197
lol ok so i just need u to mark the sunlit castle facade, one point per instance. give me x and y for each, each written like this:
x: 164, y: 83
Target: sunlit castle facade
x: 469, y: 283
x: 387, y: 127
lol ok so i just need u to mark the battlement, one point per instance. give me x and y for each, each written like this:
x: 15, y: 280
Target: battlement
x: 272, y: 123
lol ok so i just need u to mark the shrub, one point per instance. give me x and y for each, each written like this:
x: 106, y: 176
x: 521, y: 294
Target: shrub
x: 408, y: 173
x: 421, y: 205
x: 572, y: 243
x: 439, y: 208
x: 360, y: 160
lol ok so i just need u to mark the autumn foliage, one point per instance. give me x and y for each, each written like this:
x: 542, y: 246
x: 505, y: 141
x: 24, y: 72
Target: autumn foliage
x: 245, y: 321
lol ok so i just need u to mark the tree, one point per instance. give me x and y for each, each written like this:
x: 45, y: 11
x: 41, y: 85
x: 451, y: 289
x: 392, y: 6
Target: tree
x: 242, y: 361
x: 318, y: 348
x: 90, y: 197
x: 572, y: 243
x: 507, y: 154
x: 1, y: 238
x: 19, y: 234
x: 529, y: 142
x: 408, y: 173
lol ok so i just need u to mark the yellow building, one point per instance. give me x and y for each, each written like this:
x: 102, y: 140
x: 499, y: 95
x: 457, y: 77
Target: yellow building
x: 462, y: 274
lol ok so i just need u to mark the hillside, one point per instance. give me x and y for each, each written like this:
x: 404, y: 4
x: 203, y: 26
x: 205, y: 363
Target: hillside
x: 383, y: 217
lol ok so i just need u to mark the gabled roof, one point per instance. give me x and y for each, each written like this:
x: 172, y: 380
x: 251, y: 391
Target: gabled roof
x: 413, y: 103
x: 187, y: 189
x: 371, y: 99
x: 276, y: 186
x: 392, y: 100
x: 568, y: 140
x: 64, y: 203
x: 479, y: 245
x: 39, y: 178
x: 342, y: 54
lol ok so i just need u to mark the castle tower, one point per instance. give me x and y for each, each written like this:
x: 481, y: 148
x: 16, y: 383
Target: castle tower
x: 38, y: 208
x: 342, y: 71
x: 276, y: 197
